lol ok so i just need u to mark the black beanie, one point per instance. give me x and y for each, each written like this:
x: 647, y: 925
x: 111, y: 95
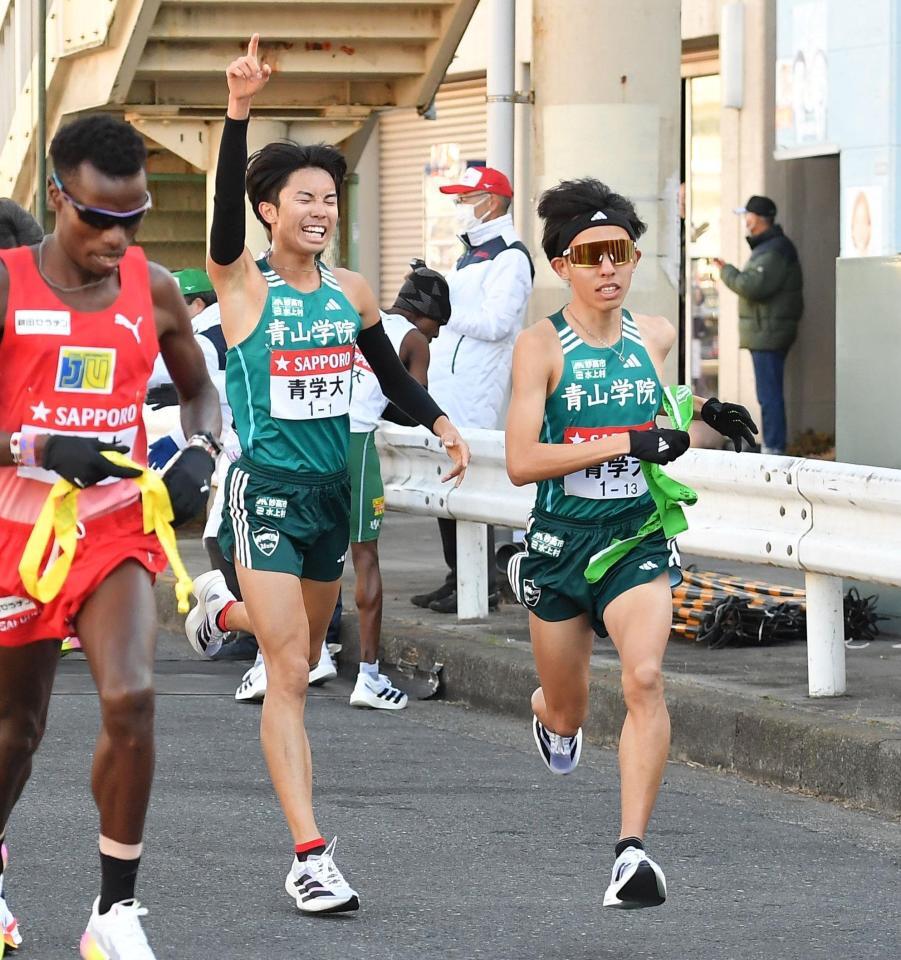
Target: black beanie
x: 18, y: 228
x: 425, y: 292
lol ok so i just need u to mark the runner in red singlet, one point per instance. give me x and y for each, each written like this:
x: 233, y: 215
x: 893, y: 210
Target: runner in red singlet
x: 82, y: 318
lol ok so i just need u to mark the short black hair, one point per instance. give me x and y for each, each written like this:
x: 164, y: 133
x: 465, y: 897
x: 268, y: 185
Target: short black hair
x: 560, y: 205
x: 18, y: 228
x: 207, y: 296
x: 109, y: 145
x: 268, y: 169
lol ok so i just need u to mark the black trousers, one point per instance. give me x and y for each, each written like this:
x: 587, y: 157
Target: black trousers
x: 448, y: 529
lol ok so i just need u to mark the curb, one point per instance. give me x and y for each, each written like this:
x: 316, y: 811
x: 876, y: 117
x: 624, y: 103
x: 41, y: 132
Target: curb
x: 768, y: 742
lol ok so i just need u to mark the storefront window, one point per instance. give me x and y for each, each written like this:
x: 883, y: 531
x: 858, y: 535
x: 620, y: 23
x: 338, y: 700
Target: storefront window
x: 702, y: 232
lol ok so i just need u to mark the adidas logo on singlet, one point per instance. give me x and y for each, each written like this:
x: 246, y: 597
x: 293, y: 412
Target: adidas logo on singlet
x: 633, y: 361
x: 332, y: 304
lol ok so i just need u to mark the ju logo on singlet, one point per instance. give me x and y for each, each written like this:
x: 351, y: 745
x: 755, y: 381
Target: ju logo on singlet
x: 85, y: 370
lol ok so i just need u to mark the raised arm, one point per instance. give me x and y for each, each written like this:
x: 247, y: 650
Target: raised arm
x: 230, y: 264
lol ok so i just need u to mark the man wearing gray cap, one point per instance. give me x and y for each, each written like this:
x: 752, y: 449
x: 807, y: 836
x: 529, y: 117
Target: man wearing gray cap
x: 770, y: 305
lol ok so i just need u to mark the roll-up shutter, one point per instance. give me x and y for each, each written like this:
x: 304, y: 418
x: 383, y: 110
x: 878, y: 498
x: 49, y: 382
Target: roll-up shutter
x: 409, y: 146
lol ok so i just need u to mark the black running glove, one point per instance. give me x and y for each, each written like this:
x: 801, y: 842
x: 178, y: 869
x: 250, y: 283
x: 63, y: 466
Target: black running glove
x: 80, y: 460
x: 732, y: 420
x: 165, y: 395
x: 188, y: 483
x: 658, y: 445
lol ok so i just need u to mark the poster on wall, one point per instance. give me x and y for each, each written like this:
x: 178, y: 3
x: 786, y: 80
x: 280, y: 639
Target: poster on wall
x: 442, y: 245
x: 802, y: 79
x: 862, y: 234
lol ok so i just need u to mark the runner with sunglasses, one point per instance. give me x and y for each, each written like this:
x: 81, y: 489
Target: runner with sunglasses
x: 586, y: 394
x: 291, y: 324
x: 83, y: 316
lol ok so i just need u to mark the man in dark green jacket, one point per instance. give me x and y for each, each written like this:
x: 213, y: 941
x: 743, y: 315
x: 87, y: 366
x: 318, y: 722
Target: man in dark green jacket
x: 770, y: 305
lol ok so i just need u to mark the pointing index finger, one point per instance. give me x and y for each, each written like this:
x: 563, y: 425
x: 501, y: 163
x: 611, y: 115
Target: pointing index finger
x: 252, y: 45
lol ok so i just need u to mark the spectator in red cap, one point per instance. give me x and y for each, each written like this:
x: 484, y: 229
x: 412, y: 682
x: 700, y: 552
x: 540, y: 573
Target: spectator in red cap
x: 471, y: 362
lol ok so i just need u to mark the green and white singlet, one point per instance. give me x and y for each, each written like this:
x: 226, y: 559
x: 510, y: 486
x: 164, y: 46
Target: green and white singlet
x: 602, y: 391
x: 288, y: 382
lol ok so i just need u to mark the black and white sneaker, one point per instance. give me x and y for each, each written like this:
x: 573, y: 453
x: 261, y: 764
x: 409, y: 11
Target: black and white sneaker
x: 377, y: 693
x: 560, y: 754
x: 636, y: 882
x: 317, y: 885
x: 200, y: 623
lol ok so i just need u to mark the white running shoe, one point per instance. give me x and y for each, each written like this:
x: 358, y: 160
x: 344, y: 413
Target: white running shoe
x: 560, y: 754
x: 200, y: 624
x: 10, y: 938
x: 325, y: 670
x: 116, y: 935
x: 252, y: 688
x: 378, y: 693
x: 317, y: 886
x: 636, y: 882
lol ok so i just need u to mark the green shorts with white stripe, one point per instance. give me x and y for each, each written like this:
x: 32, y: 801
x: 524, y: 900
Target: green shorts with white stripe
x: 367, y: 494
x: 285, y: 522
x: 548, y: 577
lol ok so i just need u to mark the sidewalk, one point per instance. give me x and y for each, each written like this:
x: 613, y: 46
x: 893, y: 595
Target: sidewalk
x: 740, y: 709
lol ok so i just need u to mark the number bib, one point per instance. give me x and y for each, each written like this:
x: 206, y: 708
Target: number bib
x: 617, y: 479
x: 310, y: 384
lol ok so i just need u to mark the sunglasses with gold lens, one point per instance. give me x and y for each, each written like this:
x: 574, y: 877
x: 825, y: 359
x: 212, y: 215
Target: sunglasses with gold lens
x: 591, y: 254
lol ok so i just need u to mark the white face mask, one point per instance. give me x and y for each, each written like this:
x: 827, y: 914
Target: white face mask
x: 466, y: 218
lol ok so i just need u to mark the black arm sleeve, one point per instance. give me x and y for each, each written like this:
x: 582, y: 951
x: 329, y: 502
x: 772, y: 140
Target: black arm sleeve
x: 393, y: 413
x: 227, y: 231
x: 396, y: 383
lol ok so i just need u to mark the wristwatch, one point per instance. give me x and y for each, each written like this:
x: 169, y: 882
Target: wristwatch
x: 206, y: 441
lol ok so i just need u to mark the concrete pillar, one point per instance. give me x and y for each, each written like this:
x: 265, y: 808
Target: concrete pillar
x: 259, y: 133
x: 607, y: 104
x: 500, y: 86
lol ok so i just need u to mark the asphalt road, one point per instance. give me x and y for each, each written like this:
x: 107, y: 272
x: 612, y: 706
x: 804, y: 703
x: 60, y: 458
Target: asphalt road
x: 460, y: 842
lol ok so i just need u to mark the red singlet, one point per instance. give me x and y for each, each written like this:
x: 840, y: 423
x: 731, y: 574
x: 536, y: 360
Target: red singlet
x: 82, y: 374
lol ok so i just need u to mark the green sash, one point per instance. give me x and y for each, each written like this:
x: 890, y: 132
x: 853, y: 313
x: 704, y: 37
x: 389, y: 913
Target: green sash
x: 668, y: 494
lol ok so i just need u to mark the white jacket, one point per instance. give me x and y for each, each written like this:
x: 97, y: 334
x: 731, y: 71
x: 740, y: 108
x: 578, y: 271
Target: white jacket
x: 469, y: 373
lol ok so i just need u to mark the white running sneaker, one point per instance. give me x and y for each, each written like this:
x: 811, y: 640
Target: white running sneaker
x: 325, y: 670
x: 10, y: 938
x: 116, y: 935
x: 636, y: 882
x: 200, y: 624
x: 252, y: 688
x: 317, y: 886
x: 378, y: 693
x: 560, y: 754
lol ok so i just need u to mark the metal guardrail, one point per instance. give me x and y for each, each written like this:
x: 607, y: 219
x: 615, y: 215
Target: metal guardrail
x: 828, y: 520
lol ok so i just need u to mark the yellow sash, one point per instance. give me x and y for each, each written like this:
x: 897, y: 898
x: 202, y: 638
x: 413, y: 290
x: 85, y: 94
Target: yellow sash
x: 59, y: 517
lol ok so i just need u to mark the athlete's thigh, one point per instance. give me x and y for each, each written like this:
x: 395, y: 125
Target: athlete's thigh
x: 275, y: 605
x: 320, y: 597
x: 562, y: 651
x: 117, y: 627
x: 639, y: 621
x: 26, y: 680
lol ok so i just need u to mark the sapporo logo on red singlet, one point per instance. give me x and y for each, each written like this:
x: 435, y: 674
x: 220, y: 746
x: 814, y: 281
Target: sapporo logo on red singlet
x: 85, y: 370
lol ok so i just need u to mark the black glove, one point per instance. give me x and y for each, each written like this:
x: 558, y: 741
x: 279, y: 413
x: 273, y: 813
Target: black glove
x: 164, y: 395
x: 658, y: 445
x: 80, y: 460
x: 188, y: 483
x: 732, y: 420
